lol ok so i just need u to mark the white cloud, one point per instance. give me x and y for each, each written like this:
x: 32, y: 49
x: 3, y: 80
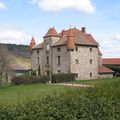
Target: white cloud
x: 59, y: 5
x: 117, y: 36
x: 13, y: 36
x: 2, y: 6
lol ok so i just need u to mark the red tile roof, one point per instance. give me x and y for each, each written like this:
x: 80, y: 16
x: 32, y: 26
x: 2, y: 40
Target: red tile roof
x: 103, y: 69
x: 32, y: 43
x: 51, y: 32
x: 80, y: 37
x: 39, y: 46
x: 111, y: 61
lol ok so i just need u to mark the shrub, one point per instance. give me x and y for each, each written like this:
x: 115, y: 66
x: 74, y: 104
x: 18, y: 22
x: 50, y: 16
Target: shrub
x: 62, y: 77
x: 17, y: 80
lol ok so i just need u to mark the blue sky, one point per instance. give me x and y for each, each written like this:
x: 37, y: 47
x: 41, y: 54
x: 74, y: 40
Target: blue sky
x: 21, y: 19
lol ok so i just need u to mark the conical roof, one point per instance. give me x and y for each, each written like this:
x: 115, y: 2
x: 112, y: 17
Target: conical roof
x: 51, y: 32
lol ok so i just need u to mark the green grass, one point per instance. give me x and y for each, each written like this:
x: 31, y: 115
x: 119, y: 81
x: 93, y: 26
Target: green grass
x: 17, y: 94
x: 96, y: 82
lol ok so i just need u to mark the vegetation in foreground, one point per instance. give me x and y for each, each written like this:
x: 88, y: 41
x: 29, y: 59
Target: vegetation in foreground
x: 99, y: 103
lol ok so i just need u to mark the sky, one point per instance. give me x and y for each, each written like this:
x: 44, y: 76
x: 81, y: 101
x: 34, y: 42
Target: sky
x: 22, y: 19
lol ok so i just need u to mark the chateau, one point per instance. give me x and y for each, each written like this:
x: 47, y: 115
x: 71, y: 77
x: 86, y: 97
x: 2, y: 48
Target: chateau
x: 70, y: 51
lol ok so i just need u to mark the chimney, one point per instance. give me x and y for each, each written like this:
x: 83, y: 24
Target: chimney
x: 70, y: 40
x: 83, y: 29
x: 32, y: 43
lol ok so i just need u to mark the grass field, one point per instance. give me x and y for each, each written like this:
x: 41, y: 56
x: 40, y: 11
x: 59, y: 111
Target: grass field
x: 16, y: 94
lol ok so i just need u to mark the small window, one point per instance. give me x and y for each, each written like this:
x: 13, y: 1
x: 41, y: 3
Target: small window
x: 48, y: 46
x: 90, y: 49
x: 58, y: 60
x: 38, y: 60
x: 76, y: 61
x: 58, y: 49
x: 90, y: 61
x: 76, y: 48
x: 59, y: 71
x: 37, y: 51
x: 47, y: 60
x: 90, y: 74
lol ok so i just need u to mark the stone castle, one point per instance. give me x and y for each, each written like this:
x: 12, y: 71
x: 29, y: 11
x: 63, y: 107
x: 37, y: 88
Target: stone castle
x: 70, y: 51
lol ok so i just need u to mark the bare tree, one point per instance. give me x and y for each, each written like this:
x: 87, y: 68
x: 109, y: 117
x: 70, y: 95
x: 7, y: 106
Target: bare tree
x: 5, y: 59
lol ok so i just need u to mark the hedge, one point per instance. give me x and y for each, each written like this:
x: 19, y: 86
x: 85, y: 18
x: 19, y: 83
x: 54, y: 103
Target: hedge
x: 17, y: 80
x: 71, y: 105
x: 63, y: 77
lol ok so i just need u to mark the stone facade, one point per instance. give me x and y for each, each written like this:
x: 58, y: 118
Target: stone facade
x: 82, y: 57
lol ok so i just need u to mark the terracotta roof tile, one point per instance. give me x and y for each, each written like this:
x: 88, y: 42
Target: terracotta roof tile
x: 51, y: 32
x: 111, y: 61
x: 39, y: 46
x: 103, y: 69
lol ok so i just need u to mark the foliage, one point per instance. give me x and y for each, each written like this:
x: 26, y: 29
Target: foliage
x: 115, y: 68
x: 99, y: 103
x: 17, y: 80
x: 17, y: 50
x: 62, y: 77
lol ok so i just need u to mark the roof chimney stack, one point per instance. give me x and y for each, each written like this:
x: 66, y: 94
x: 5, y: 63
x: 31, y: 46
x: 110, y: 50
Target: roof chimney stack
x: 83, y: 29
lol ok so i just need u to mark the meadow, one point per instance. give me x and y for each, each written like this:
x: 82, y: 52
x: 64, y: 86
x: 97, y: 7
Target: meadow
x: 49, y: 102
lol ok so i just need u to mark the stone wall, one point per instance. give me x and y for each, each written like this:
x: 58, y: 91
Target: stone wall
x: 64, y: 66
x: 34, y: 60
x: 84, y: 69
x: 105, y: 75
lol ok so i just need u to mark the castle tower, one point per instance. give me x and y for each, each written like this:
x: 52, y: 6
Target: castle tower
x: 70, y: 40
x: 32, y: 43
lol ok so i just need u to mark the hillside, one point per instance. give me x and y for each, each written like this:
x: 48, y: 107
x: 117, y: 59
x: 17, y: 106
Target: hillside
x: 20, y: 54
x: 17, y: 50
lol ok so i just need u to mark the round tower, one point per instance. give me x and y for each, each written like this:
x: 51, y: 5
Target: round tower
x: 70, y: 39
x: 32, y: 43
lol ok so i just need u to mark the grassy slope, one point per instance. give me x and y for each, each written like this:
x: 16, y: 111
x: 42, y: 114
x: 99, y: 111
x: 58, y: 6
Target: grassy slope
x: 16, y: 94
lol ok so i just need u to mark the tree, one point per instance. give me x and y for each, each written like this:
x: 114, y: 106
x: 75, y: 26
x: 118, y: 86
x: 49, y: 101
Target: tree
x: 5, y: 59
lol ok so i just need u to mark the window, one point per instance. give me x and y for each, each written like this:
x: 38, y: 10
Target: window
x: 58, y: 71
x: 90, y: 61
x: 48, y: 46
x: 58, y: 49
x: 76, y: 61
x: 90, y: 49
x: 37, y: 51
x: 90, y: 74
x: 38, y: 60
x: 47, y: 60
x: 76, y: 48
x: 58, y: 60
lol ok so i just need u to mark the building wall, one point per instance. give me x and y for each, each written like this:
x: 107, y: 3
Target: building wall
x: 34, y: 60
x: 84, y: 68
x: 105, y: 75
x: 64, y: 66
x: 100, y: 60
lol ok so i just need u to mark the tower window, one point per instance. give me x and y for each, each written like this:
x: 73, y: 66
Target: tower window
x: 37, y: 51
x: 76, y: 48
x: 59, y: 71
x: 58, y: 60
x: 48, y: 46
x: 47, y: 60
x: 58, y: 49
x: 90, y: 61
x: 90, y: 74
x: 76, y: 61
x: 90, y: 49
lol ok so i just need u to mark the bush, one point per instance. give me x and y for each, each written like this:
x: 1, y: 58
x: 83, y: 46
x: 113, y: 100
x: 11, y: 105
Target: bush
x: 63, y: 77
x: 17, y: 80
x: 74, y: 104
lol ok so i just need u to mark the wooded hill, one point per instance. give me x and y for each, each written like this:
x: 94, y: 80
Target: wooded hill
x: 17, y: 50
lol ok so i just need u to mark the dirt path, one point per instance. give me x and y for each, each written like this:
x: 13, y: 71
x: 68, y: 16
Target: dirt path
x: 73, y: 85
